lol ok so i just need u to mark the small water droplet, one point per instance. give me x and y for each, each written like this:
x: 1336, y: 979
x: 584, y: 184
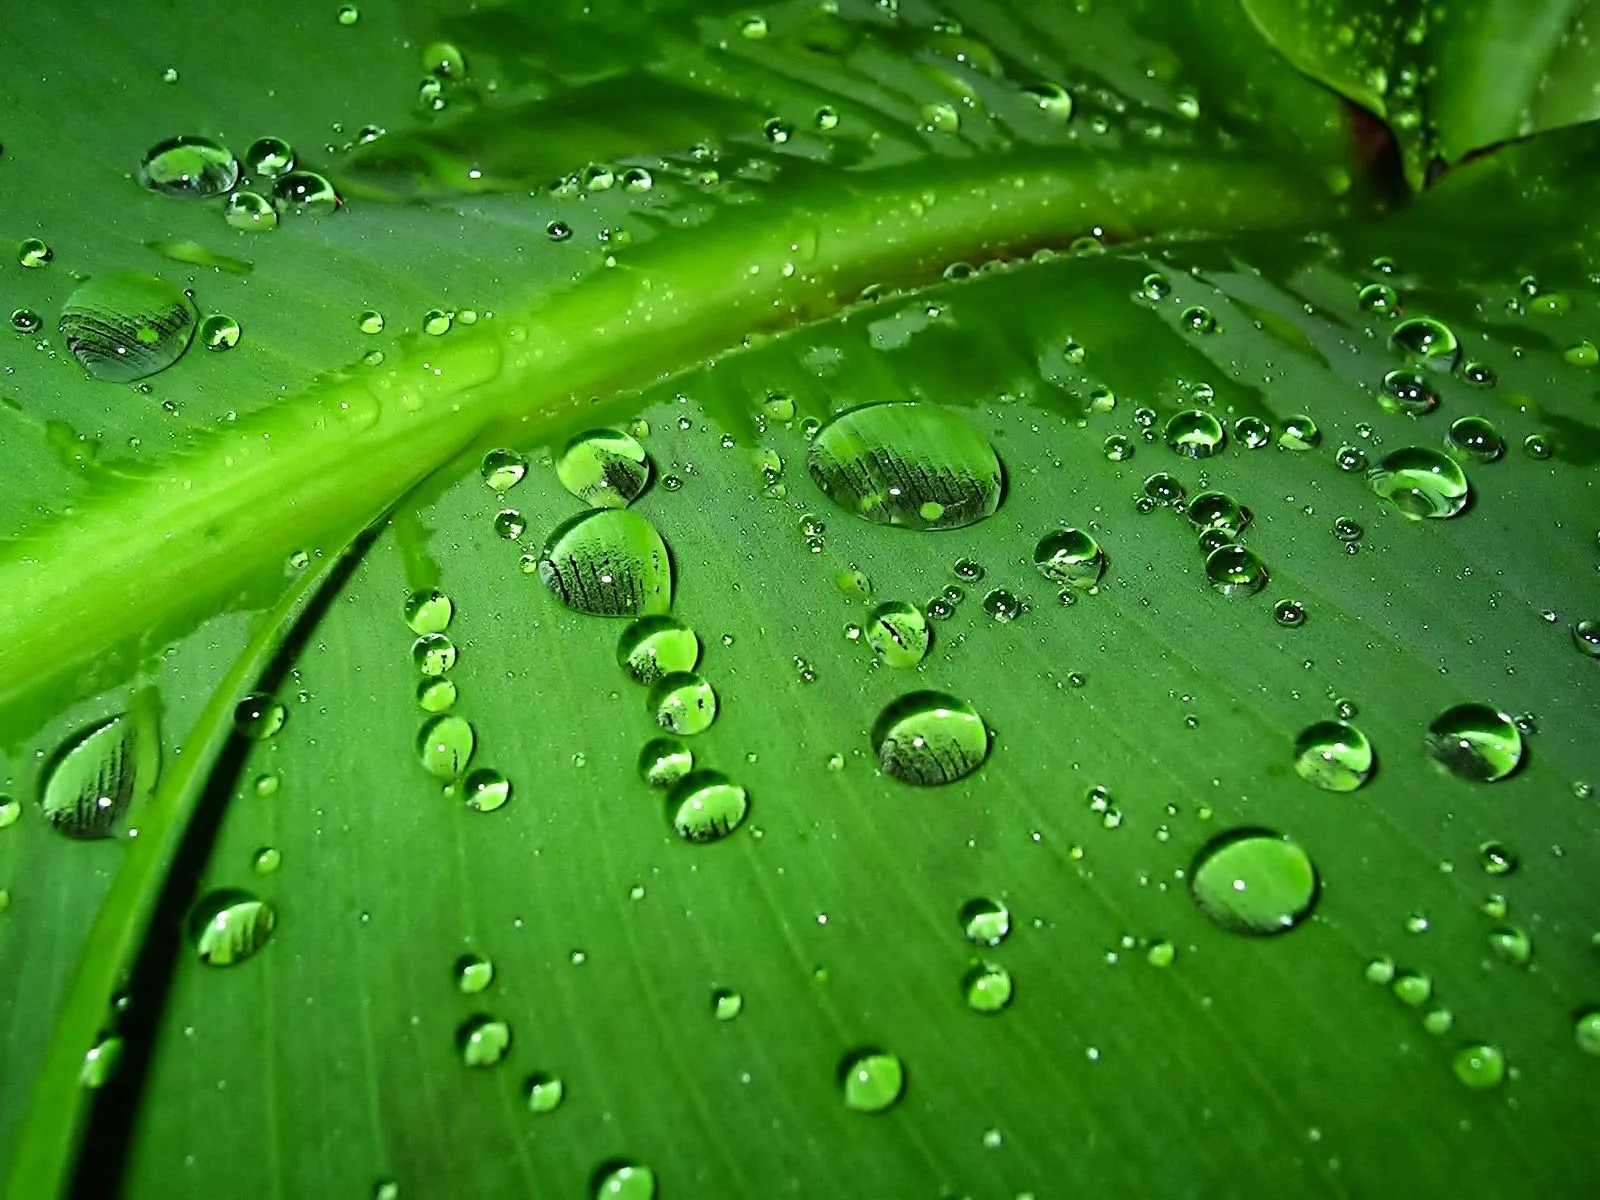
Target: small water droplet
x: 987, y: 987
x: 482, y: 1040
x: 1003, y: 606
x: 100, y: 1062
x: 1480, y: 1066
x: 305, y: 192
x: 618, y: 1179
x: 664, y: 761
x: 1379, y: 299
x: 249, y: 212
x: 871, y: 1080
x: 1406, y: 391
x: 1536, y: 445
x: 1586, y: 1031
x: 986, y: 922
x: 658, y: 645
x: 1198, y: 319
x: 269, y: 156
x: 258, y: 717
x: 1252, y: 432
x: 485, y: 790
x: 1071, y: 558
x: 33, y: 252
x: 473, y: 973
x: 726, y: 1004
x: 1428, y: 342
x: 229, y: 925
x: 1289, y: 613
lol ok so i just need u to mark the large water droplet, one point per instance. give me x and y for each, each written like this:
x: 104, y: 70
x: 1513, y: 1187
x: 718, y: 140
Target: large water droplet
x: 1476, y: 437
x: 445, y: 746
x: 1219, y: 511
x: 230, y: 925
x: 305, y: 192
x: 97, y: 775
x: 1334, y: 755
x: 258, y: 717
x: 1420, y: 482
x: 1408, y: 392
x: 1254, y: 881
x: 1475, y: 742
x: 428, y: 611
x: 1195, y: 434
x: 898, y: 633
x: 125, y: 325
x: 604, y: 468
x: 906, y: 463
x: 1235, y: 571
x: 608, y: 562
x: 706, y: 806
x: 930, y: 738
x: 1480, y: 1066
x: 655, y: 646
x: 1071, y: 558
x: 871, y: 1080
x: 189, y: 166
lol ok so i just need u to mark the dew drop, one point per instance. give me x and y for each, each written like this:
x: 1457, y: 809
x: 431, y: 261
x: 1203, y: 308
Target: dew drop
x: 706, y: 806
x: 473, y: 973
x: 1195, y: 434
x: 1198, y: 319
x: 1421, y: 483
x: 683, y: 703
x: 125, y: 325
x: 305, y: 192
x: 34, y: 253
x: 544, y: 1092
x: 97, y: 775
x: 1408, y: 392
x: 1428, y: 342
x: 269, y: 156
x: 1253, y: 433
x: 906, y: 463
x: 1475, y: 742
x: 445, y: 746
x: 618, y: 1179
x: 987, y: 987
x: 1333, y: 755
x: 428, y: 611
x: 726, y: 1004
x: 485, y: 790
x: 1220, y: 512
x: 1477, y: 438
x: 482, y: 1040
x: 1586, y: 637
x: 190, y: 166
x: 1070, y: 558
x: 1380, y: 299
x: 986, y: 922
x: 658, y: 645
x: 1002, y: 605
x: 249, y: 212
x: 664, y: 761
x: 1253, y: 881
x: 898, y: 634
x: 1235, y: 571
x: 1480, y: 1066
x: 871, y: 1080
x: 608, y: 562
x: 258, y: 717
x: 100, y: 1062
x: 1586, y: 1032
x: 604, y: 468
x: 1299, y: 433
x: 929, y: 738
x: 229, y: 925
x: 219, y: 332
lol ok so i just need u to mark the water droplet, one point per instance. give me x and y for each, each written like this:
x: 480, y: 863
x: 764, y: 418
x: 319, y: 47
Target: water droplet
x: 25, y: 320
x: 486, y: 790
x: 267, y: 784
x: 1379, y: 298
x: 898, y: 634
x: 683, y: 703
x: 1587, y: 1031
x: 305, y: 192
x: 1052, y: 98
x: 100, y: 1063
x: 726, y: 1004
x: 1299, y: 432
x: 219, y: 332
x: 428, y: 611
x: 269, y: 156
x: 1412, y: 988
x: 482, y: 1040
x: 1582, y: 354
x: 1475, y: 742
x: 1480, y: 1066
x: 1496, y: 858
x: 1155, y: 287
x: 1253, y: 881
x: 1195, y: 434
x: 10, y: 811
x: 871, y: 1079
x: 266, y: 860
x: 618, y: 1179
x: 1219, y: 511
x: 664, y: 761
x: 544, y: 1092
x: 1536, y: 445
x: 654, y: 646
x: 985, y: 922
x: 348, y: 14
x: 508, y: 524
x: 1476, y: 437
x: 608, y: 562
x: 1586, y: 637
x: 706, y: 806
x: 433, y: 654
x: 929, y: 738
x: 189, y: 166
x: 906, y: 463
x: 1070, y: 557
x: 473, y: 973
x: 1235, y: 571
x: 125, y: 325
x: 445, y: 746
x: 249, y: 212
x: 1164, y: 488
x: 1408, y: 392
x: 1198, y: 319
x: 1335, y: 756
x: 1117, y: 448
x: 1428, y: 342
x: 258, y: 716
x: 1420, y: 483
x: 1253, y: 433
x: 436, y: 322
x: 34, y: 253
x: 230, y: 925
x: 604, y: 468
x: 1002, y: 605
x: 987, y: 987
x: 1511, y: 944
x: 97, y: 775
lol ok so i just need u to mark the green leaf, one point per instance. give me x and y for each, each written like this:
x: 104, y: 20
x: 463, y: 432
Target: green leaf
x: 911, y: 856
x: 1448, y: 79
